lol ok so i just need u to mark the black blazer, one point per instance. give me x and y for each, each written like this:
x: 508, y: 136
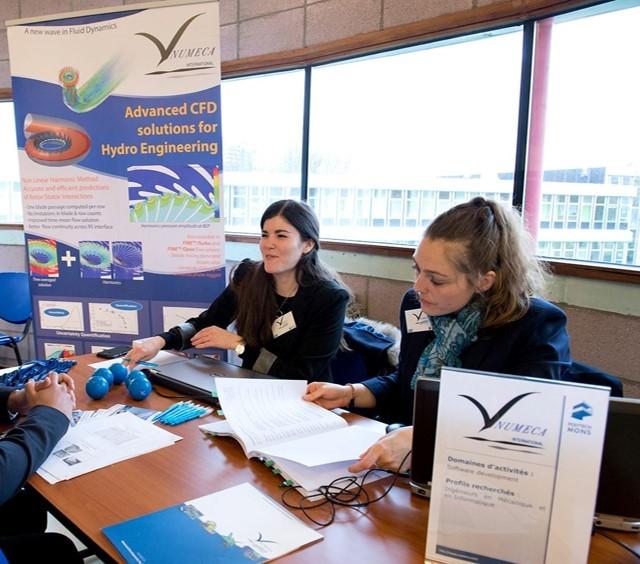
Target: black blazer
x: 537, y: 345
x: 304, y: 353
x: 25, y: 447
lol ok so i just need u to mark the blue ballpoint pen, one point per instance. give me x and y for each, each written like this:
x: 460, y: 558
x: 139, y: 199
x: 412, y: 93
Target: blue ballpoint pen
x: 175, y: 414
x: 193, y: 414
x: 167, y: 411
x: 197, y: 411
x: 168, y: 420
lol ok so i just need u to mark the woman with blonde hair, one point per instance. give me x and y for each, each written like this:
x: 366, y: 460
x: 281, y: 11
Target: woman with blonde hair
x: 473, y: 306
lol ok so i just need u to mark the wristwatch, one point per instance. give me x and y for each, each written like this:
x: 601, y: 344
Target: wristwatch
x: 239, y: 348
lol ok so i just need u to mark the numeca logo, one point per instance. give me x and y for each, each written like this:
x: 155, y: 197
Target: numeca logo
x: 166, y: 51
x: 191, y: 56
x: 490, y: 421
x: 507, y: 434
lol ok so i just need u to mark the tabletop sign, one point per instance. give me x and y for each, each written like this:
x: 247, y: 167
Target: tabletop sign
x: 516, y: 469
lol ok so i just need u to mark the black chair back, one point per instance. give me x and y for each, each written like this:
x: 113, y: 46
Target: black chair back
x: 585, y: 374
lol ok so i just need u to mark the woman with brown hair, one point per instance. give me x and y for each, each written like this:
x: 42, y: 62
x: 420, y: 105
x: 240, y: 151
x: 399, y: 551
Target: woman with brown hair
x: 288, y: 308
x: 472, y: 306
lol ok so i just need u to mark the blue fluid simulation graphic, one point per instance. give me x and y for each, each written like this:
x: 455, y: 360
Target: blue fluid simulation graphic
x: 43, y: 257
x: 127, y: 260
x: 181, y: 194
x: 95, y: 259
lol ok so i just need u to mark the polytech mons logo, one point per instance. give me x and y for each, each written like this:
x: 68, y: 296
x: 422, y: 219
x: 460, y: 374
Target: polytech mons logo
x: 190, y: 57
x: 527, y: 437
x: 581, y: 410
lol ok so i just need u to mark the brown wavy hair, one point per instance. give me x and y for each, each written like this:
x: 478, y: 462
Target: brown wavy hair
x: 493, y: 238
x: 256, y: 294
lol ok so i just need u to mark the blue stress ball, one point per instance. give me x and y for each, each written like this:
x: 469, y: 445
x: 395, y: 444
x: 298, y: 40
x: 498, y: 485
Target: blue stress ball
x: 139, y: 388
x: 120, y: 373
x: 106, y: 374
x: 132, y: 376
x: 96, y: 387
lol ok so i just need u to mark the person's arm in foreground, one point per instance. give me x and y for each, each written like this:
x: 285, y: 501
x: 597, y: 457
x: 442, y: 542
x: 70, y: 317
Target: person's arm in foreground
x: 48, y: 405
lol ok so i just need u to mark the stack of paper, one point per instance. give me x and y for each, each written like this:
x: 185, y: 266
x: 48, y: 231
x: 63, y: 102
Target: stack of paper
x: 311, y: 446
x: 238, y: 524
x: 102, y: 442
x: 79, y: 417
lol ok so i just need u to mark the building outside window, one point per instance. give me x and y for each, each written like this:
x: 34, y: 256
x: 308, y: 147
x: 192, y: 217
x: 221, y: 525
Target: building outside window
x: 591, y: 147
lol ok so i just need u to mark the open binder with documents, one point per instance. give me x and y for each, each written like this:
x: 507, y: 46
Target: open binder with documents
x: 309, y: 445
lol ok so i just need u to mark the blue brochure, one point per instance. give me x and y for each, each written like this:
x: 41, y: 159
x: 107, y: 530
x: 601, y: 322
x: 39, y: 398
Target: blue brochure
x: 238, y: 524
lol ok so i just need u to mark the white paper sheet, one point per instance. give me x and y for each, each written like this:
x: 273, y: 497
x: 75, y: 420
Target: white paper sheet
x: 268, y: 412
x: 310, y: 478
x: 345, y: 444
x: 102, y: 442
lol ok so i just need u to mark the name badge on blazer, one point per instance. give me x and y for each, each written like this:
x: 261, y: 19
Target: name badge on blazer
x: 417, y: 321
x: 283, y: 324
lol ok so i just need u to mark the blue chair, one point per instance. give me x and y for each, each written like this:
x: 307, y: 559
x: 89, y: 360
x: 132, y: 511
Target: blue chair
x: 15, y: 307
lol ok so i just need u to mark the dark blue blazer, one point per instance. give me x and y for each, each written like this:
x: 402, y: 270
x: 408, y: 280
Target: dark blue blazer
x: 537, y: 345
x: 25, y: 447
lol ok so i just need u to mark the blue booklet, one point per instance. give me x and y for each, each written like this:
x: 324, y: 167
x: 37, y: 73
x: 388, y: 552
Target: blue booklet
x: 238, y: 524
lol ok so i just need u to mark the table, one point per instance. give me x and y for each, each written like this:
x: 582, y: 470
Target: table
x: 391, y: 530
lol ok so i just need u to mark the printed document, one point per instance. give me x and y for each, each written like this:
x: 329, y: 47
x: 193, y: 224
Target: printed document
x: 309, y: 445
x: 270, y: 418
x: 101, y: 442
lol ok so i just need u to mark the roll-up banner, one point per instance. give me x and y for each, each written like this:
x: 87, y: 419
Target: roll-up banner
x: 119, y: 139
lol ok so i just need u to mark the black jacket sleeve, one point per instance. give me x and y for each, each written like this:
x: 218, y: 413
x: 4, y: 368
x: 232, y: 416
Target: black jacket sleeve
x: 220, y: 313
x: 25, y: 447
x: 387, y: 388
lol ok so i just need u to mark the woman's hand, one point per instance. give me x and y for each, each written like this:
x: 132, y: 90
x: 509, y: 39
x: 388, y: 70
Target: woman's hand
x: 216, y: 337
x: 328, y: 396
x: 144, y: 349
x: 387, y: 452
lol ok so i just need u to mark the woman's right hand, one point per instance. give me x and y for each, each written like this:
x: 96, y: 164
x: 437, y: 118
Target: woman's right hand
x: 144, y: 349
x: 328, y: 396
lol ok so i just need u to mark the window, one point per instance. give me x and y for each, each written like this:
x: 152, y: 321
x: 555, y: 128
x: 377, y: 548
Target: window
x: 262, y: 144
x: 590, y: 142
x: 437, y: 121
x: 10, y: 197
x: 397, y: 138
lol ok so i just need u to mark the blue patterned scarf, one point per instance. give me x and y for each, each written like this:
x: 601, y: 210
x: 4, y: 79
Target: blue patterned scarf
x: 454, y: 333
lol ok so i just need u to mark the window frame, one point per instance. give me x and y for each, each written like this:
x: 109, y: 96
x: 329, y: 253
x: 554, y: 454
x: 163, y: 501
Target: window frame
x: 448, y: 26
